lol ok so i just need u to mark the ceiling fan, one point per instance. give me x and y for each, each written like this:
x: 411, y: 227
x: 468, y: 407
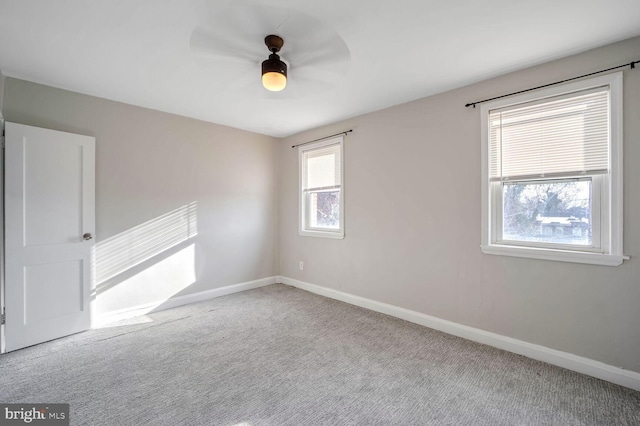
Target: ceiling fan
x: 307, y: 53
x: 274, y: 71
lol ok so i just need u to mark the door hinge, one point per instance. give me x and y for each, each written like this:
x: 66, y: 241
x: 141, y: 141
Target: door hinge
x: 3, y: 317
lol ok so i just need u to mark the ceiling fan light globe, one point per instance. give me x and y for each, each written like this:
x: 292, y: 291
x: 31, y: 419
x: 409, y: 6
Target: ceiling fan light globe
x: 274, y: 81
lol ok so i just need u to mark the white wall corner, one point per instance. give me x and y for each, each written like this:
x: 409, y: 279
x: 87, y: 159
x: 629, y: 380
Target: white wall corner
x: 105, y: 318
x: 597, y: 369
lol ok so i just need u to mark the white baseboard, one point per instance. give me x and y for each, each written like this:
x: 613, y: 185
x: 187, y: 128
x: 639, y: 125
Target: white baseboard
x: 597, y: 369
x: 108, y: 317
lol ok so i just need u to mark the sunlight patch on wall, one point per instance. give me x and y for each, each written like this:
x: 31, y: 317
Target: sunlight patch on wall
x: 149, y: 288
x: 121, y: 252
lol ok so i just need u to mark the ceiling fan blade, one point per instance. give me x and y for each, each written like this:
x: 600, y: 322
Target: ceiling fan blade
x: 248, y: 85
x: 323, y: 57
x: 239, y: 30
x: 321, y: 48
x: 322, y: 66
x: 208, y: 44
x: 312, y: 73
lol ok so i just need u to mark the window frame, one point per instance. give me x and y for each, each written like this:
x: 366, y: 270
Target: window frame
x: 303, y: 228
x: 608, y: 187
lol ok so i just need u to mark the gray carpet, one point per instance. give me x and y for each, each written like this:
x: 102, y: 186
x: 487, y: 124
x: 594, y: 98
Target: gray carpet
x: 282, y: 356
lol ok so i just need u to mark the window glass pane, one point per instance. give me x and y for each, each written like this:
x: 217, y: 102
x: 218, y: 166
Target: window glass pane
x: 323, y: 208
x: 550, y: 212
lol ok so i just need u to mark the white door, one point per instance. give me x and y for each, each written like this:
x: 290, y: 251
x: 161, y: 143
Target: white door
x: 49, y: 227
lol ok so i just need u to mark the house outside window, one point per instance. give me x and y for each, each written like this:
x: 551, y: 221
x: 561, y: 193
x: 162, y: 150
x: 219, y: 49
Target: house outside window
x: 552, y: 173
x: 321, y: 203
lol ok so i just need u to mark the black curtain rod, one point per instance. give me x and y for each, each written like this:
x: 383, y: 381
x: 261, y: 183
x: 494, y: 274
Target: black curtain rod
x: 326, y: 137
x: 632, y: 65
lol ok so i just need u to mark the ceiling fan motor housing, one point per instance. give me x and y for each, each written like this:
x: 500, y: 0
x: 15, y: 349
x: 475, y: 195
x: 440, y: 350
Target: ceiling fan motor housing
x: 274, y: 64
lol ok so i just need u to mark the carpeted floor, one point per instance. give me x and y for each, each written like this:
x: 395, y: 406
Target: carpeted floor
x: 282, y: 356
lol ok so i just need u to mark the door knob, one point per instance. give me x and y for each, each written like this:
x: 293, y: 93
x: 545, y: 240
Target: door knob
x: 87, y: 236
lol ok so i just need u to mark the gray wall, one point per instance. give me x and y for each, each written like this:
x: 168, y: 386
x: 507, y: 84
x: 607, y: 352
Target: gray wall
x: 412, y: 200
x: 149, y: 164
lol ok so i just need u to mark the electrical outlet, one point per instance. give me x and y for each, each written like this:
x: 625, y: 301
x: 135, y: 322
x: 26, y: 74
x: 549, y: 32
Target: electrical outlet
x: 301, y: 265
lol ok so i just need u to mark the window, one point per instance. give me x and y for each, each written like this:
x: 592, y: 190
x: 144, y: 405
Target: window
x: 552, y: 173
x: 321, y: 193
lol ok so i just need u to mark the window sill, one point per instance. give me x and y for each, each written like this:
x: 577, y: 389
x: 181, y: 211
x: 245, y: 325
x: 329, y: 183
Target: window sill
x: 322, y: 234
x: 556, y: 255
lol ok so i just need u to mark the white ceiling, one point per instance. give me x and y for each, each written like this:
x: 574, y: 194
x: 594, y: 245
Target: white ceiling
x: 365, y: 54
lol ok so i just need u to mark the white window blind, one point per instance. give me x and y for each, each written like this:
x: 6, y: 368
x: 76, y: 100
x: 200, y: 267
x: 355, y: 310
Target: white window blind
x: 322, y: 168
x: 555, y: 137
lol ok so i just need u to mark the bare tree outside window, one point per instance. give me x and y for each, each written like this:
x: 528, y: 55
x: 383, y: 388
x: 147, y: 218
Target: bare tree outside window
x: 554, y: 212
x: 325, y: 209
